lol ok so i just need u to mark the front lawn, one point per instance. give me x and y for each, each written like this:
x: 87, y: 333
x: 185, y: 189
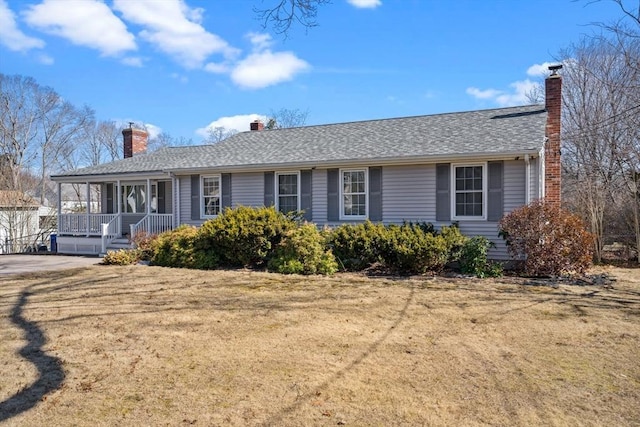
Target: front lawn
x: 154, y: 346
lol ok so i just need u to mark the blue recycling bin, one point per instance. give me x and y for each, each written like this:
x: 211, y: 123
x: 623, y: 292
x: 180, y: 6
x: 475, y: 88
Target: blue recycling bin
x: 54, y: 243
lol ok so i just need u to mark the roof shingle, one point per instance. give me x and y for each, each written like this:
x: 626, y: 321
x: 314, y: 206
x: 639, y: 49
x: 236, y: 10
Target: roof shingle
x: 506, y: 130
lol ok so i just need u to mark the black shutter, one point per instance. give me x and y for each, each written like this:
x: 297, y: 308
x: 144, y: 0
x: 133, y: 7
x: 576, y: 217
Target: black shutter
x: 443, y: 193
x: 109, y: 191
x: 195, y: 196
x: 305, y: 194
x: 225, y: 202
x: 333, y: 195
x: 375, y: 193
x: 269, y: 188
x: 495, y: 202
x: 160, y: 203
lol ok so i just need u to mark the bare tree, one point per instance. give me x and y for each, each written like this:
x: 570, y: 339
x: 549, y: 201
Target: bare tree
x: 165, y: 139
x: 219, y: 133
x: 287, y: 118
x: 19, y: 126
x: 286, y: 13
x: 600, y: 136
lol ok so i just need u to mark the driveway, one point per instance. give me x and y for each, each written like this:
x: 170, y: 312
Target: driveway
x: 18, y: 264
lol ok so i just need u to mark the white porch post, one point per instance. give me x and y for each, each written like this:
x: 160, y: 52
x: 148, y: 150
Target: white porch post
x: 59, y: 206
x: 88, y: 194
x: 147, y: 201
x: 175, y: 206
x: 118, y: 207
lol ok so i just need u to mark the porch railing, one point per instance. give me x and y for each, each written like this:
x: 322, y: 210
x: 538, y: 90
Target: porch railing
x: 83, y: 224
x: 110, y: 231
x: 152, y: 224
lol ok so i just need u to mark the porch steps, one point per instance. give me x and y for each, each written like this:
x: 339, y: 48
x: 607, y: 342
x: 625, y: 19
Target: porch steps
x: 121, y: 243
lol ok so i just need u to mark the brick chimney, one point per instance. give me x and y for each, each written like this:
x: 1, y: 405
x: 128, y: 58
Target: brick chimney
x: 553, y: 105
x: 256, y: 125
x: 135, y: 141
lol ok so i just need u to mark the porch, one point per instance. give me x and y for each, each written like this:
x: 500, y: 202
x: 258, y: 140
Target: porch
x: 108, y: 215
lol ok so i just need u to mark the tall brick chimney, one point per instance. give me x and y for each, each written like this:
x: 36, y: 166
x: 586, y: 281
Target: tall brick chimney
x: 135, y: 141
x: 256, y: 125
x: 553, y: 105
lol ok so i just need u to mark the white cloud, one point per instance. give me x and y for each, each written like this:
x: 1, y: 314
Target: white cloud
x: 153, y: 130
x: 10, y: 34
x: 518, y: 92
x: 85, y: 23
x: 267, y: 68
x: 180, y: 78
x: 538, y: 70
x: 365, y: 4
x: 45, y: 59
x: 133, y: 61
x: 518, y: 95
x: 174, y: 28
x: 238, y: 123
x: 217, y: 68
x: 260, y: 41
x: 483, y: 94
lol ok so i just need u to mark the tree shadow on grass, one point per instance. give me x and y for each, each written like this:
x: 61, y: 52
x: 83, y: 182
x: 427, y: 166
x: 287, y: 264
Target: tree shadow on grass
x: 280, y: 416
x: 50, y: 372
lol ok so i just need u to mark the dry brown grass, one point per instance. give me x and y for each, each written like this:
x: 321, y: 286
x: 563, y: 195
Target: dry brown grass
x: 152, y: 346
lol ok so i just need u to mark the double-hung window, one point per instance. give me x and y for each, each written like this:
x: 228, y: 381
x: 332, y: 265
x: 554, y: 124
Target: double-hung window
x: 353, y: 187
x: 287, y: 192
x: 210, y: 195
x: 469, y: 183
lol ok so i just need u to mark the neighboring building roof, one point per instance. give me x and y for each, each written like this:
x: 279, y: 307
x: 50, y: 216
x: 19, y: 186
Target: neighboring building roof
x: 17, y: 199
x: 483, y: 132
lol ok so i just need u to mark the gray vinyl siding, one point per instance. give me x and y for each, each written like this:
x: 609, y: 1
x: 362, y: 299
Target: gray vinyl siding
x: 488, y: 229
x: 534, y: 178
x: 185, y: 201
x: 247, y: 189
x: 319, y: 200
x: 514, y: 185
x: 168, y: 197
x: 408, y: 193
x: 128, y: 220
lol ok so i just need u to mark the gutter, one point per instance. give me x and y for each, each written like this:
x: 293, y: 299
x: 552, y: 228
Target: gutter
x: 527, y: 179
x: 381, y: 161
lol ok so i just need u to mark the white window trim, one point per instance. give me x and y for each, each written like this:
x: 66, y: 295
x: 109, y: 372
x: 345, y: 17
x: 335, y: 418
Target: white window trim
x: 202, y: 206
x: 121, y: 200
x: 344, y: 217
x: 485, y: 185
x: 277, y: 194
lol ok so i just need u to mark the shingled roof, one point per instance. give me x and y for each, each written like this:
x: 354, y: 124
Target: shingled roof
x: 474, y: 133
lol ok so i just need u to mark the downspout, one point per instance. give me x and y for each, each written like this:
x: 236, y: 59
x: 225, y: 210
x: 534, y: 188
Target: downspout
x: 541, y: 170
x: 527, y: 179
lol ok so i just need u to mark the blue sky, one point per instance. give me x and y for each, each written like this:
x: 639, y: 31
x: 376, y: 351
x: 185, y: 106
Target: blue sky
x: 181, y: 65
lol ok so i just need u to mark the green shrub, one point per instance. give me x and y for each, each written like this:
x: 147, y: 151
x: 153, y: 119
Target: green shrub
x: 303, y: 251
x: 244, y: 236
x: 122, y: 257
x: 551, y: 241
x: 408, y: 249
x: 182, y: 248
x: 473, y: 258
x: 454, y: 241
x: 356, y: 246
